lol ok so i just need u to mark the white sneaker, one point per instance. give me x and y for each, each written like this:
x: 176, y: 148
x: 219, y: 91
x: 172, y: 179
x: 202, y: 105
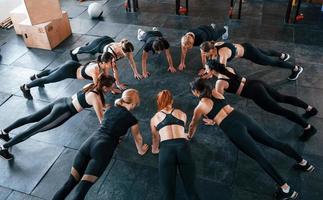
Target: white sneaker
x: 213, y: 26
x: 140, y: 34
x: 155, y: 28
x: 225, y: 35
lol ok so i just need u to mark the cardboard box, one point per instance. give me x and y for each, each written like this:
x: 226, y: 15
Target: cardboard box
x: 41, y: 11
x: 18, y: 15
x: 46, y: 35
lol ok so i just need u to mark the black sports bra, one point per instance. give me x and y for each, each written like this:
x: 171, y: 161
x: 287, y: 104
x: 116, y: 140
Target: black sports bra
x: 218, y: 104
x: 169, y: 120
x: 84, y: 74
x: 81, y: 99
x: 230, y: 46
x: 234, y: 81
x: 109, y: 48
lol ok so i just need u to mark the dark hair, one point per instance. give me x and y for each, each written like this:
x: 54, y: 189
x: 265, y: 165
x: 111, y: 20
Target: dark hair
x: 105, y: 57
x: 103, y: 80
x: 127, y: 46
x: 207, y: 46
x: 158, y: 44
x: 202, y: 86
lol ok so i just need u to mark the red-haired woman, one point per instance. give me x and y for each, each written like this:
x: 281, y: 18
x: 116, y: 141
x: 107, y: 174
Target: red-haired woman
x: 167, y: 126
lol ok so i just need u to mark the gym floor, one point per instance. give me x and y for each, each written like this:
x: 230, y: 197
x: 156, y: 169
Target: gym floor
x: 43, y: 162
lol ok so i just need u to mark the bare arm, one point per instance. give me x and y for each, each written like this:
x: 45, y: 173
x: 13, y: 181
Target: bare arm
x: 195, y: 119
x: 155, y: 138
x: 170, y: 61
x: 96, y: 102
x: 183, y: 57
x: 220, y: 86
x: 133, y: 65
x: 144, y: 59
x: 141, y: 147
x: 224, y: 55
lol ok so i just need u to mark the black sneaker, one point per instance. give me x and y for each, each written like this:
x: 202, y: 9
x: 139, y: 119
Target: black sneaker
x: 310, y: 113
x: 4, y: 153
x: 4, y: 136
x: 306, y: 168
x: 308, y: 133
x: 33, y: 77
x: 26, y: 93
x: 285, y: 57
x: 281, y: 195
x: 295, y: 74
x: 74, y: 57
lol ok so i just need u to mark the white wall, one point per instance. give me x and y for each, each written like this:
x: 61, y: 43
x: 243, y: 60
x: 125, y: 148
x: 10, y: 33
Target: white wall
x: 6, y: 6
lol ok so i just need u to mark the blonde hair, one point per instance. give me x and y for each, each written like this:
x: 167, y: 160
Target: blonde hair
x: 185, y: 39
x: 128, y: 96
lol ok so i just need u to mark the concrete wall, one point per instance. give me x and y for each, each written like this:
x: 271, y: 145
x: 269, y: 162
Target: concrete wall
x: 6, y: 6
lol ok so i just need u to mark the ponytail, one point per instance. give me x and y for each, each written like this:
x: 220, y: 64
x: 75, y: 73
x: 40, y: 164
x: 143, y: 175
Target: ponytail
x: 207, y: 46
x: 128, y: 96
x: 103, y: 80
x: 127, y: 46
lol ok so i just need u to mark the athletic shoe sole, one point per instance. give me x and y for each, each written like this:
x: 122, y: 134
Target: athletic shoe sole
x: 287, y: 58
x: 299, y: 73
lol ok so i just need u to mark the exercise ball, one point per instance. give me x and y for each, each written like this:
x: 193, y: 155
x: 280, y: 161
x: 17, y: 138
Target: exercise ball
x: 95, y: 10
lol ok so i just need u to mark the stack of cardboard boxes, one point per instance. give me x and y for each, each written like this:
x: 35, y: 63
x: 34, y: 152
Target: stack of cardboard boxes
x: 41, y: 23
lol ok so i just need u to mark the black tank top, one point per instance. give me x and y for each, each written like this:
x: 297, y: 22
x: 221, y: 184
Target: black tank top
x: 81, y: 99
x: 218, y: 104
x: 230, y: 46
x: 234, y: 81
x: 169, y: 120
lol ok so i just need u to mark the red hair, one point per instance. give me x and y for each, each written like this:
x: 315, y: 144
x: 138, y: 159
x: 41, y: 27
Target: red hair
x: 164, y: 98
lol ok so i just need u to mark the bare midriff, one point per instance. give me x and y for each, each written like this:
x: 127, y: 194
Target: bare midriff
x: 172, y: 132
x: 222, y: 114
x: 241, y: 86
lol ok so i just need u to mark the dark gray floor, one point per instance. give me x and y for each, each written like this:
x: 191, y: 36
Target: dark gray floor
x: 43, y: 162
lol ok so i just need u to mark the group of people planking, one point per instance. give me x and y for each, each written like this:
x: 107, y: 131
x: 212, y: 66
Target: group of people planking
x: 169, y: 138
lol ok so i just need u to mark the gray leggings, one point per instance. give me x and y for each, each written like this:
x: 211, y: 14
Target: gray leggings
x: 64, y: 71
x: 49, y: 117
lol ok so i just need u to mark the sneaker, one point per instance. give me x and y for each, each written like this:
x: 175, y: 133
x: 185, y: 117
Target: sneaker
x: 285, y: 57
x: 25, y: 92
x: 4, y: 153
x: 155, y: 28
x: 310, y: 113
x: 213, y: 26
x: 308, y: 133
x: 4, y: 136
x: 225, y: 35
x: 306, y: 168
x: 281, y: 195
x: 73, y: 56
x: 295, y: 74
x: 139, y: 34
x: 33, y: 77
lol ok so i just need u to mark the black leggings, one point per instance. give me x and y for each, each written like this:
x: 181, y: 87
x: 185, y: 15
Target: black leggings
x: 244, y: 131
x: 176, y: 154
x: 96, y: 46
x: 264, y: 57
x: 92, y: 159
x: 210, y: 34
x: 151, y: 34
x: 268, y: 98
x: 64, y: 71
x: 49, y: 117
